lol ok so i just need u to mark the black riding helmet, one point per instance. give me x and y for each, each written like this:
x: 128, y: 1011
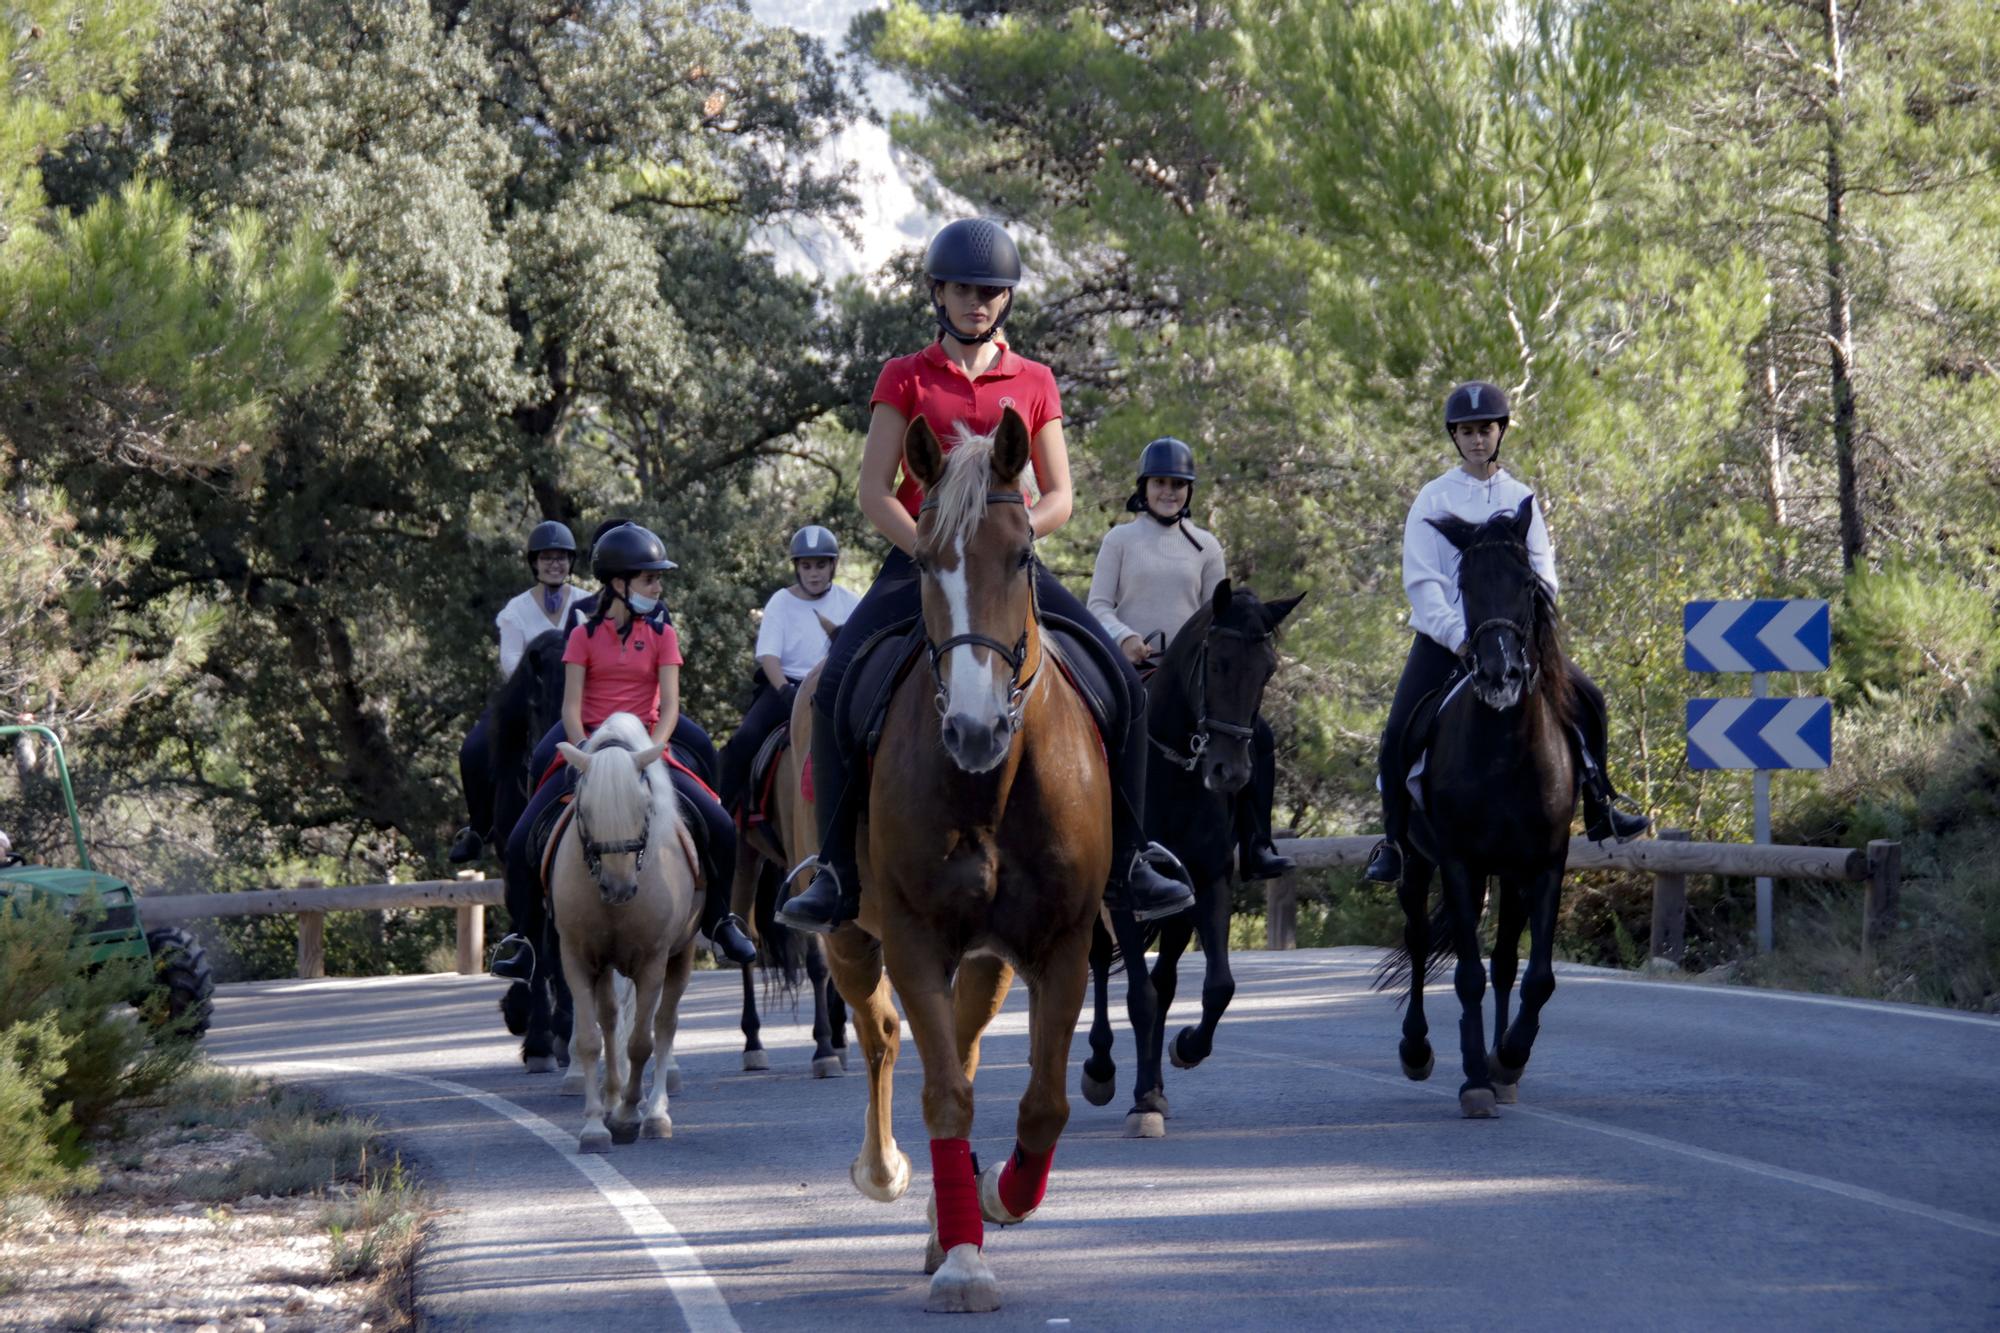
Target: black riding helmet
x: 1477, y: 400
x: 977, y: 252
x: 550, y: 536
x: 626, y: 550
x: 1164, y: 457
x: 813, y: 542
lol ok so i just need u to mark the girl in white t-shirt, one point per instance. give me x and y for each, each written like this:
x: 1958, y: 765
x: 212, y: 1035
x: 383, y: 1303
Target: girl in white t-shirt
x: 538, y: 611
x: 791, y: 640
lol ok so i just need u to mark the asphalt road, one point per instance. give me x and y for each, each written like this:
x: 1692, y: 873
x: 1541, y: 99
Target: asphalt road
x: 1683, y: 1156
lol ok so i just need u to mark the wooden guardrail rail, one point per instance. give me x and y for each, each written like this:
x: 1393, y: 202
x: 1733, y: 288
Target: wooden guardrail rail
x: 311, y: 903
x: 1669, y: 858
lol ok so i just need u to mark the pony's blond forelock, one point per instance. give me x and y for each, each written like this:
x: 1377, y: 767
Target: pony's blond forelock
x: 620, y: 803
x: 960, y: 494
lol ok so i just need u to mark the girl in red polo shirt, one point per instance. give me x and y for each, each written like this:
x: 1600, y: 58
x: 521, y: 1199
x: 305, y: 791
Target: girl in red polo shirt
x: 624, y: 659
x: 968, y: 375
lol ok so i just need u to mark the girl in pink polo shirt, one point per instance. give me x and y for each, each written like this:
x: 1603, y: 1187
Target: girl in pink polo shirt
x: 969, y: 375
x: 626, y: 659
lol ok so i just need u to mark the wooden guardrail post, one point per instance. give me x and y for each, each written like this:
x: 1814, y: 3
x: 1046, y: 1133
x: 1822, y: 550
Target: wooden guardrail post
x: 471, y: 939
x: 1670, y: 899
x: 312, y: 938
x: 1281, y: 906
x: 1885, y: 891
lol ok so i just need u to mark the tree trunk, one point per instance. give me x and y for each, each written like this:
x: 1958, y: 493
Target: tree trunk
x: 1839, y: 296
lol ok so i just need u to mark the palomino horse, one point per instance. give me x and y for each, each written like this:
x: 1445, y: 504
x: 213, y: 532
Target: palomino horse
x: 623, y: 896
x: 785, y: 837
x: 986, y: 849
x: 1201, y: 712
x: 1499, y: 791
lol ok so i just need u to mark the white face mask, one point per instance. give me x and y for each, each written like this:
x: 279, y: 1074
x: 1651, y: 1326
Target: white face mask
x: 641, y: 604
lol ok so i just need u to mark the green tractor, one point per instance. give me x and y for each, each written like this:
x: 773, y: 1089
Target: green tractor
x: 179, y: 964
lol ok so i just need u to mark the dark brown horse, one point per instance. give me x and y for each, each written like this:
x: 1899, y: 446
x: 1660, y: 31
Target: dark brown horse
x: 1498, y: 794
x: 985, y: 850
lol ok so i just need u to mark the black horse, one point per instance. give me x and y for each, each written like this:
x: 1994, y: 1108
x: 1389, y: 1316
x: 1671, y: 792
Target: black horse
x: 1499, y: 790
x: 1201, y: 713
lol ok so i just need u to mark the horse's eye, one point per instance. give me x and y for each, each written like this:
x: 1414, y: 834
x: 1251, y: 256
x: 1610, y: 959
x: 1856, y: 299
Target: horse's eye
x: 1027, y: 555
x: 922, y: 565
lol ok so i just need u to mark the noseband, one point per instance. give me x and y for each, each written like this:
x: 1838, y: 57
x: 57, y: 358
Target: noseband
x: 593, y: 850
x: 1197, y: 689
x: 1017, y: 685
x: 1525, y: 631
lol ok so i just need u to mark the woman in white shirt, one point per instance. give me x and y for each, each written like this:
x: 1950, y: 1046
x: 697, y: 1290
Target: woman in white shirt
x: 790, y: 642
x: 1151, y: 575
x: 1476, y: 415
x: 538, y: 611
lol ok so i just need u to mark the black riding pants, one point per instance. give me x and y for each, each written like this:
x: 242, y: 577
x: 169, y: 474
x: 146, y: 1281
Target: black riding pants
x: 896, y: 595
x: 1253, y: 803
x: 769, y: 708
x: 475, y: 772
x: 1428, y: 667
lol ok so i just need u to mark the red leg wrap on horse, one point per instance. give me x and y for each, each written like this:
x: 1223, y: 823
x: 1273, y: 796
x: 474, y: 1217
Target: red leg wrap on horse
x: 1025, y: 1179
x: 958, y: 1220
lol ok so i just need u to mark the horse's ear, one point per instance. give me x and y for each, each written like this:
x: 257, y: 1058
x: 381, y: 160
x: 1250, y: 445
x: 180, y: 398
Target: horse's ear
x: 1455, y: 529
x: 1275, y: 612
x: 922, y: 454
x: 827, y: 625
x: 1218, y: 605
x: 1524, y: 516
x: 1011, y: 446
x: 577, y: 759
x: 645, y: 759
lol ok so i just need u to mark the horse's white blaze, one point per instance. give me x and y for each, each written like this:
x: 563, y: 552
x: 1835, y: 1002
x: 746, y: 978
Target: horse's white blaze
x: 969, y: 692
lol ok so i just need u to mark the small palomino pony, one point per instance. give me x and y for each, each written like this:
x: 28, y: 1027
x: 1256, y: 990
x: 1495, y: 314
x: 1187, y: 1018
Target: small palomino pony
x: 986, y: 849
x: 1201, y: 714
x: 1498, y: 793
x: 623, y: 896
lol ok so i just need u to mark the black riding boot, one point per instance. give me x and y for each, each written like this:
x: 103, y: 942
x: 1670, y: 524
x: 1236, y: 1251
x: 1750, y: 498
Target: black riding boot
x: 1603, y: 821
x: 1385, y: 863
x: 1135, y: 886
x: 834, y: 896
x: 466, y: 846
x: 518, y: 967
x: 1257, y: 857
x: 724, y: 928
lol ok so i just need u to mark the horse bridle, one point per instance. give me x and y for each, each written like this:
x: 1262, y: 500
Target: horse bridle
x: 1504, y: 622
x: 1017, y: 684
x: 593, y: 851
x: 1197, y: 741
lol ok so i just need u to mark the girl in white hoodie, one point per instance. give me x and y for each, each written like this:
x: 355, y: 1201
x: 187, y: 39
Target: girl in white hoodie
x: 1476, y: 416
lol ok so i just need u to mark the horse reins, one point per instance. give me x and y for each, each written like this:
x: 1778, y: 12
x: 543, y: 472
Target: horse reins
x: 1197, y: 741
x: 593, y: 851
x: 1018, y: 684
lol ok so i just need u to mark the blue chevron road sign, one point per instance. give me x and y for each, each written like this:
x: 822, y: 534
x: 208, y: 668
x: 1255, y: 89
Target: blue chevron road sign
x: 1767, y: 635
x: 1759, y: 733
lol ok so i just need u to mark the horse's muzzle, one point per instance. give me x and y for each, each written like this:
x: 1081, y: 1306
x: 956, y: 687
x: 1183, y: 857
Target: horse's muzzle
x: 1224, y: 774
x: 617, y: 895
x: 976, y: 746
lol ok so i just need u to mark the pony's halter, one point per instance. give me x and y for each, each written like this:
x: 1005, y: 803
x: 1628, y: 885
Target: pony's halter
x: 594, y: 851
x: 1017, y: 684
x: 1197, y: 689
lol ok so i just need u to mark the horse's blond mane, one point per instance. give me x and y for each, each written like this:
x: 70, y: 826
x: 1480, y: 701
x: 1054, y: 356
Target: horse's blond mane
x: 622, y: 803
x: 960, y: 494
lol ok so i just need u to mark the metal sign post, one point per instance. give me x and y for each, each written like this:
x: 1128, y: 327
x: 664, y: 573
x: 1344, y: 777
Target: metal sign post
x: 1759, y: 733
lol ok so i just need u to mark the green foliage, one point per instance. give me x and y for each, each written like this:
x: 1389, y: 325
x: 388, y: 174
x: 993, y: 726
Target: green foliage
x: 1914, y: 630
x: 31, y: 1062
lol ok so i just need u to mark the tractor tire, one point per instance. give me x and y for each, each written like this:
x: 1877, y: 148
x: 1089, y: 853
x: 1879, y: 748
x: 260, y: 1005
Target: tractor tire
x: 180, y: 968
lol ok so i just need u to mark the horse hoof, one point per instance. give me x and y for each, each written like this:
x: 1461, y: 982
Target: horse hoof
x: 828, y: 1066
x: 673, y: 1079
x: 963, y: 1284
x: 1507, y: 1094
x: 1502, y: 1072
x: 561, y: 1051
x: 1145, y: 1125
x: 754, y: 1060
x: 843, y: 1059
x: 572, y: 1084
x: 594, y: 1140
x: 657, y: 1127
x: 1179, y: 1060
x: 1099, y: 1092
x: 624, y: 1133
x: 539, y: 1064
x: 888, y: 1190
x: 1418, y: 1073
x: 990, y: 1206
x: 1478, y: 1104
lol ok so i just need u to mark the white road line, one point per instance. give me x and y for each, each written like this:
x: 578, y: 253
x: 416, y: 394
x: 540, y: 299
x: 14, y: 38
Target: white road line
x: 694, y: 1291
x: 1962, y: 1221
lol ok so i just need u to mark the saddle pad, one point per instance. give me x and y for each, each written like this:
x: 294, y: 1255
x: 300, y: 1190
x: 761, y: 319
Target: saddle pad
x: 763, y: 773
x: 1427, y: 713
x: 1080, y: 656
x: 870, y: 682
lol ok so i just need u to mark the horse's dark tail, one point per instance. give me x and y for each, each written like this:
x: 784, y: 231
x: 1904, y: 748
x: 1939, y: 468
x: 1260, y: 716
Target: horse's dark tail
x: 1394, y: 974
x: 784, y: 953
x: 1149, y: 935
